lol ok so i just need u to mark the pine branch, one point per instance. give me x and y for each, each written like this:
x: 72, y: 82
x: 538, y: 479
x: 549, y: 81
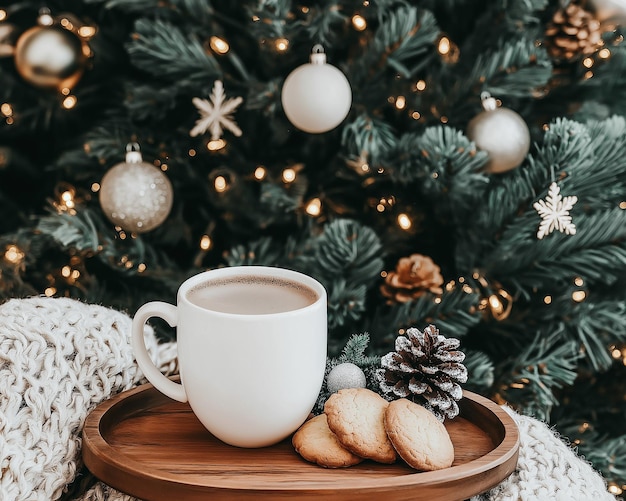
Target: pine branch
x: 403, y: 38
x: 345, y: 249
x: 454, y: 313
x: 529, y: 380
x: 367, y: 138
x: 480, y: 370
x: 162, y: 49
x: 514, y: 69
x: 445, y: 167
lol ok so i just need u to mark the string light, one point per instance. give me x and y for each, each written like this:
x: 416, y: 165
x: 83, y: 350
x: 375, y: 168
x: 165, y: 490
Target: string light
x: 615, y: 489
x: 579, y: 296
x: 579, y: 281
x: 13, y: 254
x: 260, y: 172
x: 219, y: 45
x: 400, y: 102
x: 215, y: 144
x: 420, y: 85
x: 404, y: 221
x: 205, y: 242
x: 69, y: 102
x: 604, y: 53
x: 281, y: 44
x: 358, y: 22
x: 289, y: 175
x: 314, y: 207
x: 588, y: 62
x: 3, y: 14
x: 220, y: 184
x: 6, y: 109
x: 443, y: 46
x: 86, y: 31
x: 416, y: 115
x: 141, y: 267
x: 448, y: 50
x: 95, y: 187
x: 622, y: 205
x: 547, y: 299
x: 50, y: 291
x: 191, y: 152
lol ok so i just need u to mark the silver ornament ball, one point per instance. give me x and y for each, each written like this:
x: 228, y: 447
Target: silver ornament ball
x: 316, y: 96
x: 50, y: 57
x: 346, y: 375
x: 136, y: 196
x: 504, y: 135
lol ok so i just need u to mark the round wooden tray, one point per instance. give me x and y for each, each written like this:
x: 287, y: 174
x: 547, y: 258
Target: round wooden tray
x: 154, y: 448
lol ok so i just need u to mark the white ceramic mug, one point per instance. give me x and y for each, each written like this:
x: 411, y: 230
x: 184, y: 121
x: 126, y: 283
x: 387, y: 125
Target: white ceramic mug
x: 251, y: 344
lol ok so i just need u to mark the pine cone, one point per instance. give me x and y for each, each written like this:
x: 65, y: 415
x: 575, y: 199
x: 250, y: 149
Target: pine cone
x: 414, y: 276
x: 425, y: 368
x: 572, y: 32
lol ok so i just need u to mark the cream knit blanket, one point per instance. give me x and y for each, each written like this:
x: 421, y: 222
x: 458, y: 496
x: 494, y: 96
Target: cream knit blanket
x: 59, y: 358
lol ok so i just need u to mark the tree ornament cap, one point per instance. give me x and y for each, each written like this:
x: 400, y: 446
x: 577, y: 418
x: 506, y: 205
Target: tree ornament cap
x: 133, y: 153
x: 317, y: 55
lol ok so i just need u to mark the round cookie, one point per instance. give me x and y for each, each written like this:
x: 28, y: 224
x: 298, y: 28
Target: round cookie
x: 316, y: 443
x: 418, y: 436
x: 356, y: 416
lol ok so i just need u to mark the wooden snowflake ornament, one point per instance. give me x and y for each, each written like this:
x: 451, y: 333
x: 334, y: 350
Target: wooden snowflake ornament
x: 216, y: 113
x: 554, y: 213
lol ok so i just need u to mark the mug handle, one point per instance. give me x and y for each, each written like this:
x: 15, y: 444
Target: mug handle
x: 169, y: 313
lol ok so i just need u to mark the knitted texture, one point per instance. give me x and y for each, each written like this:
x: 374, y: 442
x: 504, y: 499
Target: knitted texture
x: 59, y: 358
x: 548, y: 469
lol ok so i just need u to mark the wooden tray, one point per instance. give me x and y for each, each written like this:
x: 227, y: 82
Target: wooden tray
x: 154, y: 448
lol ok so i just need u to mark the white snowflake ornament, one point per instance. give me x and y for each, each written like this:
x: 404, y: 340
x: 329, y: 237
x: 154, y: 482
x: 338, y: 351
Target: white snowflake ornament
x: 554, y: 213
x: 215, y: 113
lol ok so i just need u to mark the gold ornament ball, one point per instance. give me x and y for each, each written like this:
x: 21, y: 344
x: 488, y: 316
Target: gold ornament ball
x: 504, y: 135
x: 50, y: 57
x: 136, y: 196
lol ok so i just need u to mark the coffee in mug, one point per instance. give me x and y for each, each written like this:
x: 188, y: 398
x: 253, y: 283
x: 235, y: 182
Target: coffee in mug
x: 251, y: 346
x: 252, y: 295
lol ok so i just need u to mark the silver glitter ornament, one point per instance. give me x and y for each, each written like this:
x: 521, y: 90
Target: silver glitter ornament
x: 346, y: 375
x: 502, y: 133
x: 135, y: 195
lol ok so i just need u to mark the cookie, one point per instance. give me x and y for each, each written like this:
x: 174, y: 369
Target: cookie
x: 420, y: 439
x: 355, y: 415
x: 316, y: 443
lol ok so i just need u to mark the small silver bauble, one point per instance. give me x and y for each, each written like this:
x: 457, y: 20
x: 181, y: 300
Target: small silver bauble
x: 502, y: 133
x: 346, y: 375
x: 316, y: 96
x: 135, y: 195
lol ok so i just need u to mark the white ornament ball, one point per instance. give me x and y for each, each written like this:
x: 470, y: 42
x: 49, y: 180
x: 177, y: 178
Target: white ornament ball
x: 135, y: 195
x: 316, y: 96
x: 503, y: 134
x: 346, y: 375
x: 609, y: 10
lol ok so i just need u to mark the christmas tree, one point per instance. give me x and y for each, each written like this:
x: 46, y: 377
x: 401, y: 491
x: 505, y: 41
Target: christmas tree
x: 458, y: 163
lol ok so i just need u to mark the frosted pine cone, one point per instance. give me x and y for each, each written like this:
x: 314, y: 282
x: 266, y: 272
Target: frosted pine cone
x: 414, y: 275
x: 425, y: 368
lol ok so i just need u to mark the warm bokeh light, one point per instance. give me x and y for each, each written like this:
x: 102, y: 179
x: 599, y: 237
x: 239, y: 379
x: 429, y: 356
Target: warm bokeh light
x: 219, y: 45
